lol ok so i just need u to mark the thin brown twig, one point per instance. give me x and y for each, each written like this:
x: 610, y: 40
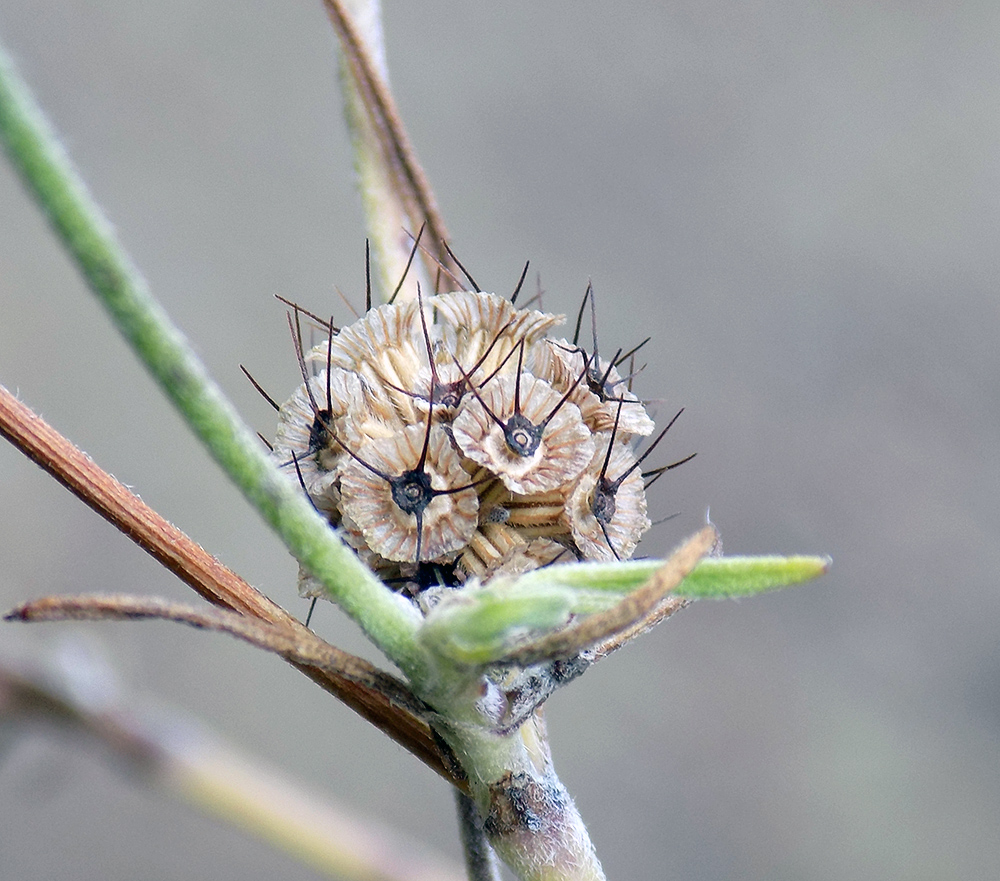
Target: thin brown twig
x: 293, y: 644
x: 411, y: 182
x: 202, y: 572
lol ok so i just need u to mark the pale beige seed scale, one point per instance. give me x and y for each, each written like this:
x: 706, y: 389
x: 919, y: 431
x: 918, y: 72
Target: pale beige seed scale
x: 447, y: 522
x: 295, y: 427
x: 478, y: 325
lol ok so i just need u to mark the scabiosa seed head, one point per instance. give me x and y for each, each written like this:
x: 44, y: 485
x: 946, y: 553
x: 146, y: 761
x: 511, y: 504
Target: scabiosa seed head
x: 449, y: 437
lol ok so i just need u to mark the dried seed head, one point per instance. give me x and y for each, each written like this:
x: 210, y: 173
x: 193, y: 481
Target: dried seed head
x: 448, y: 437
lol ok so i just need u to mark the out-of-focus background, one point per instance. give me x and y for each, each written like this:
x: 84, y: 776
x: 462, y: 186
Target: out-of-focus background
x: 798, y: 201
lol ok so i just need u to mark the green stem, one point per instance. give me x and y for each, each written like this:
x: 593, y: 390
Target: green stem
x: 47, y: 172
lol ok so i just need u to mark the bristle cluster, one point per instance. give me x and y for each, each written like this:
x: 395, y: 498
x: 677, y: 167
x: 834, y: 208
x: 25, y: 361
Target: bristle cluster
x: 452, y: 437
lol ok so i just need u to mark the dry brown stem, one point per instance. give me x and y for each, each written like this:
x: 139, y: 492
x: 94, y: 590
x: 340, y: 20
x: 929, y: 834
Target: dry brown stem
x: 397, y: 153
x: 213, y: 581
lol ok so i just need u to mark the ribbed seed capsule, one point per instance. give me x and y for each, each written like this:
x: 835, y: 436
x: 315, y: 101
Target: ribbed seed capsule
x: 522, y: 430
x: 606, y: 511
x: 406, y: 509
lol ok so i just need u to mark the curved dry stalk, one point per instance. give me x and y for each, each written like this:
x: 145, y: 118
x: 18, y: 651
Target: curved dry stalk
x: 201, y: 571
x: 391, y: 175
x: 637, y: 611
x: 294, y: 644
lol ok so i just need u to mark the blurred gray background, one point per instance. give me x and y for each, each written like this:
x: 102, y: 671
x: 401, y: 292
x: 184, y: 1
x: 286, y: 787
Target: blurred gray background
x: 800, y: 203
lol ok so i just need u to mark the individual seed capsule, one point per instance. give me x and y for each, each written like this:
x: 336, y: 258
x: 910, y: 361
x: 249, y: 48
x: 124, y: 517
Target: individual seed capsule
x: 410, y: 496
x: 525, y: 432
x: 606, y: 511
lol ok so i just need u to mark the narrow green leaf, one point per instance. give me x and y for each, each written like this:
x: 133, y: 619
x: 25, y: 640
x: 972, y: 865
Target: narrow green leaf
x: 726, y: 577
x: 479, y: 626
x: 713, y: 578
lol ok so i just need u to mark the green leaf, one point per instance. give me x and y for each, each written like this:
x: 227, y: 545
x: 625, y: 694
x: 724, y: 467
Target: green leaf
x: 725, y: 577
x: 713, y: 578
x: 479, y: 625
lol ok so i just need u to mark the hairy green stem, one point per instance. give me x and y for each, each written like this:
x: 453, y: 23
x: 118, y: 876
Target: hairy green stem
x: 48, y: 173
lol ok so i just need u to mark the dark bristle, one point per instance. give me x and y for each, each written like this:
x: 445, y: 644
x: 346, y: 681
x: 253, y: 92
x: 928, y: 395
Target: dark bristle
x: 309, y: 614
x: 329, y: 370
x: 296, y: 331
x: 302, y: 483
x: 593, y: 322
x: 520, y: 282
x: 618, y: 480
x: 618, y: 360
x: 579, y: 316
x: 322, y: 322
x: 257, y: 386
x: 465, y: 272
x: 409, y: 263
x: 604, y: 505
x: 368, y: 276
